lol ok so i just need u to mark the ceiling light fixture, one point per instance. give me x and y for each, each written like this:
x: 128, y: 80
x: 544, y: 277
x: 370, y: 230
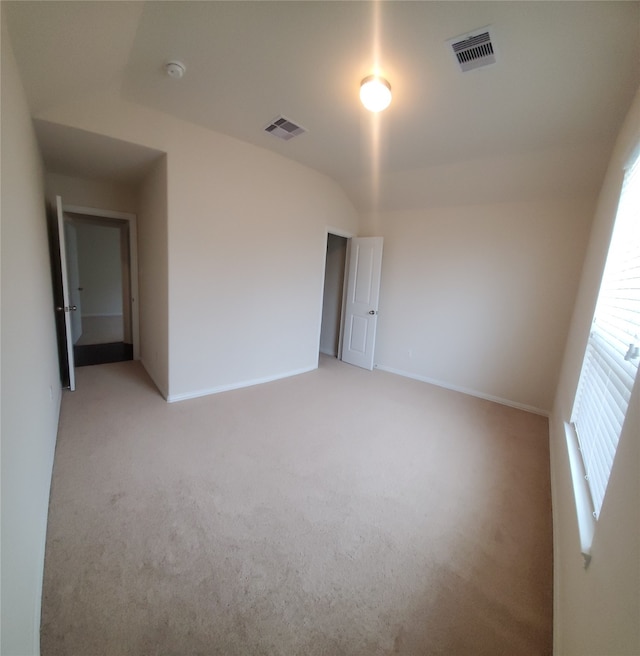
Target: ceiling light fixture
x: 375, y: 93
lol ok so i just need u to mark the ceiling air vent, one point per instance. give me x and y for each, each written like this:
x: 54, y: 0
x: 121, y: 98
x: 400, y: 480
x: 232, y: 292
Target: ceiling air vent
x: 474, y: 49
x: 283, y: 128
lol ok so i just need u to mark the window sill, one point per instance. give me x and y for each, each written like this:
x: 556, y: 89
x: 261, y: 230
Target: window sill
x: 584, y: 509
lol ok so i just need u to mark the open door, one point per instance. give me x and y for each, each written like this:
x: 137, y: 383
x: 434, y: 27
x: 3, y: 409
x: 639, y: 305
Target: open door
x: 65, y: 307
x: 361, y: 305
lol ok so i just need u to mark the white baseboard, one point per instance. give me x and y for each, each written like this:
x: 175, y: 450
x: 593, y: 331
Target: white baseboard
x: 172, y: 398
x: 464, y: 390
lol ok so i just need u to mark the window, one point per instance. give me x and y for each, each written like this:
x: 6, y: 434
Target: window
x: 610, y: 363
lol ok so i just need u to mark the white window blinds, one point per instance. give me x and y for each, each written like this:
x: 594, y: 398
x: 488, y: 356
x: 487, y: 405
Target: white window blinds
x: 611, y: 359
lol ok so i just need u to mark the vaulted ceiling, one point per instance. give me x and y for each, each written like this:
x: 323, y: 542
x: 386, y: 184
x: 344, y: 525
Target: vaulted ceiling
x: 565, y: 75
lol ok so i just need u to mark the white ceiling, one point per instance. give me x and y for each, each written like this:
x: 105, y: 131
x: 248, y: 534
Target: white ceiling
x: 565, y: 76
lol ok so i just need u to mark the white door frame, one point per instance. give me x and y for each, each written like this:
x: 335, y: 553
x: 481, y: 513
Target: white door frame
x: 131, y: 220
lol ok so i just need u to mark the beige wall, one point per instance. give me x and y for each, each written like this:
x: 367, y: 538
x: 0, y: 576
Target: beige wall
x: 30, y: 374
x: 153, y: 275
x: 478, y: 297
x: 597, y: 610
x: 246, y: 245
x: 558, y: 173
x: 98, y: 194
x: 100, y: 269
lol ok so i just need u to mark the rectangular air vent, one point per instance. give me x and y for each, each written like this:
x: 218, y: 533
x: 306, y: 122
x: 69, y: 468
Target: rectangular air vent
x: 283, y: 128
x: 473, y: 50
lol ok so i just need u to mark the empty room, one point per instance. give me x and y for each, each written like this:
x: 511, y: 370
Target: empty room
x: 320, y: 328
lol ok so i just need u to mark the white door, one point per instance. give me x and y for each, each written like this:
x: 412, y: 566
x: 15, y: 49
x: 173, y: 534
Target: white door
x: 67, y: 308
x: 361, y: 305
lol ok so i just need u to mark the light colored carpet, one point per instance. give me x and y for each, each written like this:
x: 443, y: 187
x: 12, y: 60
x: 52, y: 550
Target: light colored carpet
x: 340, y: 512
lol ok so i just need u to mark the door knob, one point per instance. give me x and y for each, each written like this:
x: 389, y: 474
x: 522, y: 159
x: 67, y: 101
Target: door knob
x: 372, y: 311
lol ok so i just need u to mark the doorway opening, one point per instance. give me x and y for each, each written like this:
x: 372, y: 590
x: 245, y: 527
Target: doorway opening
x: 332, y: 300
x: 100, y: 287
x: 350, y: 298
x: 95, y: 286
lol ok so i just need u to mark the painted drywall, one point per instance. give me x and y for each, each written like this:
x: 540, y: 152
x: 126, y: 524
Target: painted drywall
x: 333, y: 288
x: 30, y: 375
x: 100, y: 267
x: 153, y: 275
x: 597, y: 610
x: 98, y: 194
x: 246, y: 233
x: 563, y: 171
x: 478, y: 297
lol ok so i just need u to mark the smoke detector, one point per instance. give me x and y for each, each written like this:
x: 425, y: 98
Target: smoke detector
x: 474, y: 49
x: 175, y: 69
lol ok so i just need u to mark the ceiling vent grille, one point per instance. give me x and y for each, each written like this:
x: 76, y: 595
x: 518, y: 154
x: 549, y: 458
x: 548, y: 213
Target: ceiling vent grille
x: 473, y: 50
x: 283, y: 128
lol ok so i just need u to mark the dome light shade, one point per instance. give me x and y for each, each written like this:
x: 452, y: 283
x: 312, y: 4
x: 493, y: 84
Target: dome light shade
x: 375, y: 93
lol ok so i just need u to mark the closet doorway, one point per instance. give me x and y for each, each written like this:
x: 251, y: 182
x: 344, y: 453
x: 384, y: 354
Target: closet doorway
x: 101, y: 271
x: 98, y: 250
x: 350, y: 298
x: 334, y: 277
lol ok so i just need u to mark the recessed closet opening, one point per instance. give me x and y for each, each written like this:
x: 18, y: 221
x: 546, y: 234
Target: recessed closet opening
x: 332, y: 304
